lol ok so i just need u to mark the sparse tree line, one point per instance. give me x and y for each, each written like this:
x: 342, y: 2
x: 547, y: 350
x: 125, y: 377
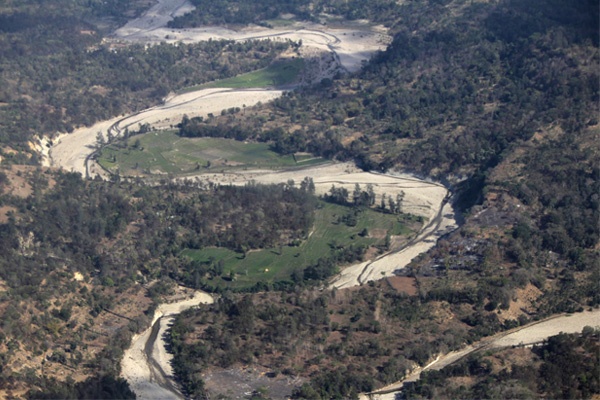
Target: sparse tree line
x: 365, y: 198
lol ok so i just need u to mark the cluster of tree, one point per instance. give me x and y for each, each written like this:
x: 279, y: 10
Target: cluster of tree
x: 109, y: 233
x: 364, y: 198
x: 326, y: 267
x: 247, y: 217
x: 101, y: 387
x: 196, y: 127
x: 26, y: 15
x: 541, y: 375
x: 147, y: 227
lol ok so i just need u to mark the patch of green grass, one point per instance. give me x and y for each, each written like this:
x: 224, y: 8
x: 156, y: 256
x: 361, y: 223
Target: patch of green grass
x: 277, y: 74
x: 165, y: 152
x: 271, y: 265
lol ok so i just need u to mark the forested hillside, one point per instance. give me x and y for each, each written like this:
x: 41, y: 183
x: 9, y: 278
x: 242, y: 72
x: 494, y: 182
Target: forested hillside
x: 243, y: 12
x: 498, y: 99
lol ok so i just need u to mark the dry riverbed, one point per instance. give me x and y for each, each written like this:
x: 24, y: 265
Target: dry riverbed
x: 352, y: 43
x: 146, y: 365
x: 70, y: 151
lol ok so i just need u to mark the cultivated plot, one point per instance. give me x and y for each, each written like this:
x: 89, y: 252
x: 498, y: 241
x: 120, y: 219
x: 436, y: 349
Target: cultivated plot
x: 163, y: 152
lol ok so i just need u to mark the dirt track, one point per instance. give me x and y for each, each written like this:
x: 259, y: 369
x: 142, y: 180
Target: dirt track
x: 534, y: 332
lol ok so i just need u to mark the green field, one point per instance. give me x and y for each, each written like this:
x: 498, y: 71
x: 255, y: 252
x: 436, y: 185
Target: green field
x: 271, y: 265
x: 278, y: 74
x: 165, y: 152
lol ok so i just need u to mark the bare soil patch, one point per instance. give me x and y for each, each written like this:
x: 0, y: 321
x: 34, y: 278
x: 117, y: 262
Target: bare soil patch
x: 240, y: 382
x: 403, y: 284
x: 17, y: 183
x: 522, y: 303
x: 4, y: 211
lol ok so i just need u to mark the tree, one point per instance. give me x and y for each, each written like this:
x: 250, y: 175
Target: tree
x: 399, y: 201
x: 308, y: 185
x: 338, y: 195
x: 356, y: 195
x: 382, y: 204
x: 371, y: 194
x: 99, y: 140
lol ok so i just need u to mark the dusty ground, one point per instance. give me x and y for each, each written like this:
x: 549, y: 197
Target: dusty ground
x: 239, y: 383
x: 403, y: 284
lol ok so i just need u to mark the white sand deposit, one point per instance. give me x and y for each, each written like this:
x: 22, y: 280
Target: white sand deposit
x: 570, y: 323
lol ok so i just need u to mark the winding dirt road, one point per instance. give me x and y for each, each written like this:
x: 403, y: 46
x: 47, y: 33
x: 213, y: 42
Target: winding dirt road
x: 529, y: 334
